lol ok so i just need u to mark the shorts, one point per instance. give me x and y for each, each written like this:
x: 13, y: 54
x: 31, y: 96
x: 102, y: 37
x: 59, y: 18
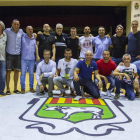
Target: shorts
x: 13, y: 61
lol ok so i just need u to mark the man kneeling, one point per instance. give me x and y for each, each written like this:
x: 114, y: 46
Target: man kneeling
x: 127, y: 78
x: 105, y: 67
x: 83, y: 77
x: 66, y: 68
x: 44, y: 74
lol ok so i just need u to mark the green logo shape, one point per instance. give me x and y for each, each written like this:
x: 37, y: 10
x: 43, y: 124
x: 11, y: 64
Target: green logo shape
x: 75, y: 112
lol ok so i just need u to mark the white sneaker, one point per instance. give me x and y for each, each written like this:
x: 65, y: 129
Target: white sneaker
x: 109, y: 93
x: 77, y: 98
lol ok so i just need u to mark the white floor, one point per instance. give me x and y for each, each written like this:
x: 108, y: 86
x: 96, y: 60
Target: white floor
x: 13, y: 128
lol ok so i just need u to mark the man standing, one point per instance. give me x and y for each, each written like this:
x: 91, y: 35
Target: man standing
x: 127, y: 78
x: 45, y: 41
x: 105, y: 67
x: 83, y: 77
x: 119, y: 43
x: 13, y: 49
x: 3, y: 39
x: 72, y: 42
x: 60, y: 42
x: 85, y: 42
x: 66, y: 68
x: 134, y: 42
x: 44, y: 74
x: 101, y: 43
x: 27, y: 58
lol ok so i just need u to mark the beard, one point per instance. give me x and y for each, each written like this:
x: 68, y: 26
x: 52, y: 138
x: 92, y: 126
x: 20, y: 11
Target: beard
x: 68, y: 57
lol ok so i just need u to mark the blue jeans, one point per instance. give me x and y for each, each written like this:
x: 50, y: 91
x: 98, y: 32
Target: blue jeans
x: 116, y: 60
x: 129, y: 88
x: 133, y: 59
x: 41, y: 59
x: 110, y: 79
x: 89, y: 86
x: 2, y: 75
x: 24, y: 64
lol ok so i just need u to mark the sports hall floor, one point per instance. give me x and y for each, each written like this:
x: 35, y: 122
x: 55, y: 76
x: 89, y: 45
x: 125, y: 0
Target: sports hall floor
x: 27, y: 117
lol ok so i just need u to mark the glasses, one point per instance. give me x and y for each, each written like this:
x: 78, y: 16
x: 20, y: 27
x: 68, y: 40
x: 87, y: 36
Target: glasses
x: 59, y: 28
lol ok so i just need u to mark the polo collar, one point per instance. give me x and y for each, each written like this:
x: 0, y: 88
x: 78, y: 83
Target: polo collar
x: 28, y: 37
x: 102, y: 38
x: 86, y: 63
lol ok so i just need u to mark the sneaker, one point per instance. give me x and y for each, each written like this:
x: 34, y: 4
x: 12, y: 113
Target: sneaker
x: 109, y: 93
x: 22, y: 91
x: 50, y: 94
x: 77, y: 98
x: 32, y: 90
x: 104, y: 89
x: 117, y: 96
x: 2, y: 93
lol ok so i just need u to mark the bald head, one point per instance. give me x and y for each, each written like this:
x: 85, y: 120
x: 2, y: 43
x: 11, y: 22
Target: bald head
x: 29, y: 30
x: 46, y: 28
x: 88, y: 56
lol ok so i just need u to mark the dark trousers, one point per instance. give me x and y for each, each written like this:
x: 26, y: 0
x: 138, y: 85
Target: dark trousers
x: 89, y: 87
x: 129, y: 88
x: 116, y: 60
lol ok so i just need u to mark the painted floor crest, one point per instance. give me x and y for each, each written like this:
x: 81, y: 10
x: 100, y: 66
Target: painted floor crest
x: 26, y: 117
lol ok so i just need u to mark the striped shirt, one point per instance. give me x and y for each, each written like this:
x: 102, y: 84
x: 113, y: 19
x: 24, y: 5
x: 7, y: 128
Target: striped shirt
x: 60, y: 44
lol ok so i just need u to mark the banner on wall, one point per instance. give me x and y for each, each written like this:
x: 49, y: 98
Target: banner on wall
x: 136, y: 10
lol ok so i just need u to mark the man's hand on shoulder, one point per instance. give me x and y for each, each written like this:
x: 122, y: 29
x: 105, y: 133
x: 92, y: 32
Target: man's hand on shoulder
x: 39, y: 32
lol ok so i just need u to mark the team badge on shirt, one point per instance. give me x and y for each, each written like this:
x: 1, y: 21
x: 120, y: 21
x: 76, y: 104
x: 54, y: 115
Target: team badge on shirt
x: 58, y: 116
x: 55, y: 37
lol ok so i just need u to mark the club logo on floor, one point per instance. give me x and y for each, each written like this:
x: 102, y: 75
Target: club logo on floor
x: 57, y: 116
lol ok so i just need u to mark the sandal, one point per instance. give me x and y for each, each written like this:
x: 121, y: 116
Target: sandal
x: 137, y: 95
x: 8, y: 93
x: 17, y: 91
x: 62, y: 95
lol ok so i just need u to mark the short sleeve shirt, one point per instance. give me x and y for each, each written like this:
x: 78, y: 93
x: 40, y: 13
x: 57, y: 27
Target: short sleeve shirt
x: 67, y: 68
x: 105, y: 68
x: 86, y: 71
x: 101, y: 45
x: 119, y: 45
x: 73, y: 45
x: 60, y: 44
x: 128, y: 70
x: 86, y: 45
x: 45, y: 42
x: 13, y: 41
x: 133, y: 44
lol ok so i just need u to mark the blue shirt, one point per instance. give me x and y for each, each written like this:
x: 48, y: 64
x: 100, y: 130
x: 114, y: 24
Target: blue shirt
x: 48, y: 70
x: 13, y: 41
x: 133, y: 44
x: 137, y: 63
x: 86, y: 71
x: 28, y: 47
x: 100, y: 45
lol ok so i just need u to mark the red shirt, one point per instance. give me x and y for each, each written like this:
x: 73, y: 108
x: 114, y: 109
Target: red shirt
x: 105, y: 68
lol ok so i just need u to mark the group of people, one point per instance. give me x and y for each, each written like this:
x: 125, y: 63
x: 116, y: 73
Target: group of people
x: 58, y: 62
